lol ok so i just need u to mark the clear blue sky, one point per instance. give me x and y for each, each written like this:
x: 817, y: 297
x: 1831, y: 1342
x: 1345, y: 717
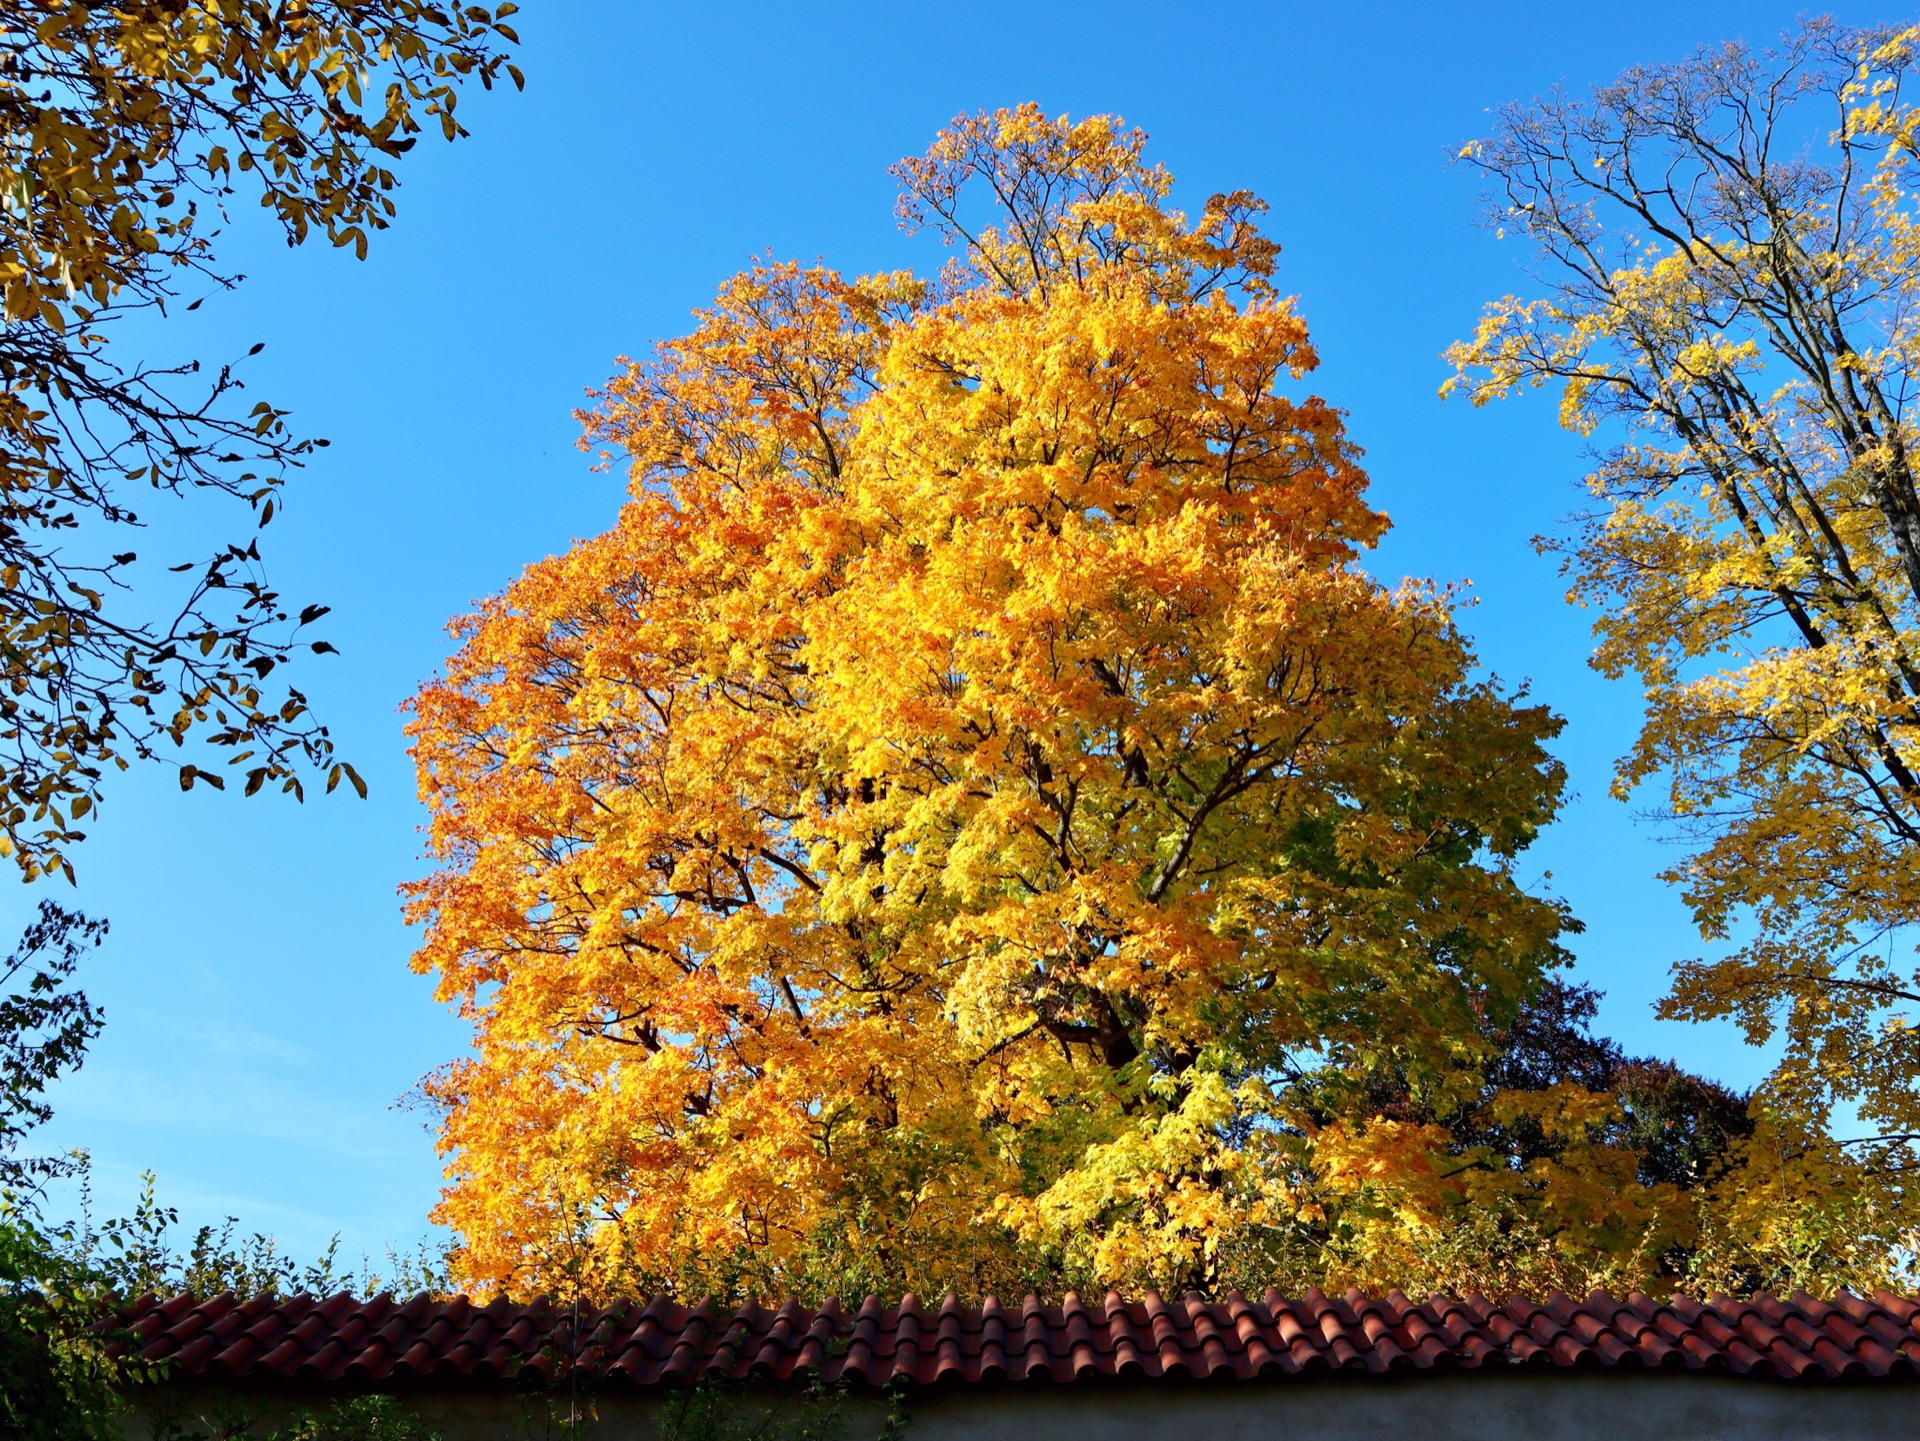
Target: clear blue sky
x: 261, y: 1017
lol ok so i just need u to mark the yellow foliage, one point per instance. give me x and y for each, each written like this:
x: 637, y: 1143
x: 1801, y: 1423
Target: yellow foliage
x: 907, y: 848
x: 1745, y: 327
x: 1413, y: 1203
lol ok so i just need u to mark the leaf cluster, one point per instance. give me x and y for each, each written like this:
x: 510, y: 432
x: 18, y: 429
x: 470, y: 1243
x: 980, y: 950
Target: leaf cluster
x: 124, y: 133
x: 45, y: 1029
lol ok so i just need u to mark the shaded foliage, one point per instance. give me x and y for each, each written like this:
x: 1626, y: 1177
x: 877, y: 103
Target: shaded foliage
x: 1680, y: 1126
x: 45, y: 1029
x: 57, y: 1380
x: 354, y: 1418
x: 124, y: 133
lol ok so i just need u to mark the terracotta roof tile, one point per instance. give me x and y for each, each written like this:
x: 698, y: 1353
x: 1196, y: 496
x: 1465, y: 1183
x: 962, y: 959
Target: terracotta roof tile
x: 1798, y: 1337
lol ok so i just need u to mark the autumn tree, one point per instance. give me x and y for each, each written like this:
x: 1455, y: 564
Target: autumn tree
x: 125, y: 132
x: 936, y: 835
x: 1726, y: 302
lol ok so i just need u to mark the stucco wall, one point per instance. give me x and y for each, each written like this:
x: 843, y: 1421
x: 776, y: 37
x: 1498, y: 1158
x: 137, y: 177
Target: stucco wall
x: 1552, y: 1406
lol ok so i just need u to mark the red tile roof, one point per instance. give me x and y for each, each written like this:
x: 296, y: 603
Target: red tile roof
x: 384, y: 1340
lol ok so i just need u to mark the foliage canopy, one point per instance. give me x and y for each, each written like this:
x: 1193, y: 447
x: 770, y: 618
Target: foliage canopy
x: 973, y: 823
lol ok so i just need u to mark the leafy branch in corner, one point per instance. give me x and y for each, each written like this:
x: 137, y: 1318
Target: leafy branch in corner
x: 124, y: 131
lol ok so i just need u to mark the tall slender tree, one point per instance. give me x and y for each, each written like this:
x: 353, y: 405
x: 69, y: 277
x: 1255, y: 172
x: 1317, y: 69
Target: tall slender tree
x: 1729, y: 302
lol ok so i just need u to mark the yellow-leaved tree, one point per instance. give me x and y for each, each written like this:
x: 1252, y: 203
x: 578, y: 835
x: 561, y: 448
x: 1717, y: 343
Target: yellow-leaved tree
x: 972, y: 823
x: 1731, y: 293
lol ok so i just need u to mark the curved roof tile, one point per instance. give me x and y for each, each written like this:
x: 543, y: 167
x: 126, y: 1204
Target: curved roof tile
x: 1792, y: 1338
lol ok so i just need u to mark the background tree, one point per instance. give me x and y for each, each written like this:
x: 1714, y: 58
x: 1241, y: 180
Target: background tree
x: 124, y: 131
x: 942, y: 833
x: 1490, y: 1185
x: 45, y: 1028
x: 1728, y: 287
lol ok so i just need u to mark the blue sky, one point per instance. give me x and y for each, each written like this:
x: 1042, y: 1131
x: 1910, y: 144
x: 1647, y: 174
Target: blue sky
x: 262, y: 1021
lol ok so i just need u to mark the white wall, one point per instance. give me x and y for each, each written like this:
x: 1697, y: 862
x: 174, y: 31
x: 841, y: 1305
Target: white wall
x: 1530, y: 1406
